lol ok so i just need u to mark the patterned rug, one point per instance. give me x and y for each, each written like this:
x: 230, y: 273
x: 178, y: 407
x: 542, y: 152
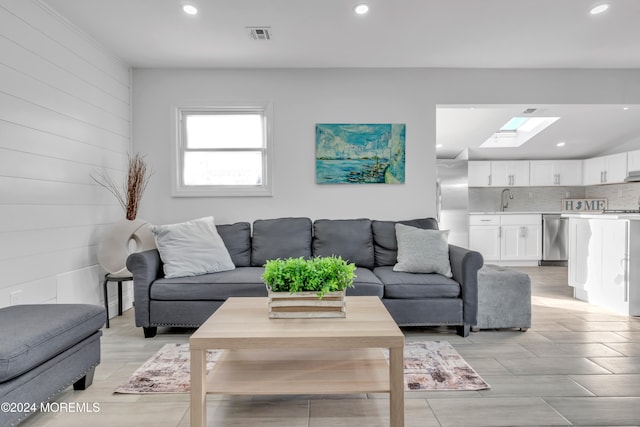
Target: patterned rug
x: 434, y: 365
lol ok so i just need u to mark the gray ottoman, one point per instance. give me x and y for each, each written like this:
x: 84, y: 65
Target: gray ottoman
x: 504, y: 298
x: 44, y: 349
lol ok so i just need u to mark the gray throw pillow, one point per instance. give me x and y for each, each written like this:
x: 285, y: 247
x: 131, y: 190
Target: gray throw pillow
x: 422, y: 251
x: 191, y: 248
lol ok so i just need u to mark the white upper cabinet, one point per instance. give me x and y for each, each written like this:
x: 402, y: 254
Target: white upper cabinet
x: 555, y: 172
x: 633, y: 161
x: 479, y: 174
x: 609, y: 169
x: 510, y: 173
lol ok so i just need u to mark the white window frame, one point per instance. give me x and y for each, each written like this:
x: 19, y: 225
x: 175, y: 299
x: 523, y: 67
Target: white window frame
x: 179, y: 189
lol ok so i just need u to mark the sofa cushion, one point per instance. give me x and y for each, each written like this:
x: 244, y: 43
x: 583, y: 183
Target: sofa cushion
x: 241, y: 282
x: 422, y: 251
x: 349, y: 238
x: 33, y: 334
x: 403, y: 285
x: 237, y: 239
x: 366, y: 284
x: 191, y: 248
x: 384, y: 238
x: 280, y: 238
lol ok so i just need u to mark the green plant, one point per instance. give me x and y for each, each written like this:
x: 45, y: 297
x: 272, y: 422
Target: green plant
x: 321, y: 275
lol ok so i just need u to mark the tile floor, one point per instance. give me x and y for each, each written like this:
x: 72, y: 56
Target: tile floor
x: 577, y: 365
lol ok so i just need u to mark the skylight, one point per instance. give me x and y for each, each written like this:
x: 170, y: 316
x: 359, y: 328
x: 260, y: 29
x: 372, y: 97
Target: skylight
x: 517, y: 131
x: 513, y: 124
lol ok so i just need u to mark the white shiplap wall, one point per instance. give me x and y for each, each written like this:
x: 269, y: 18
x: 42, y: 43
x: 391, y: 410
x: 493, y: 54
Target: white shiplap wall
x: 64, y: 112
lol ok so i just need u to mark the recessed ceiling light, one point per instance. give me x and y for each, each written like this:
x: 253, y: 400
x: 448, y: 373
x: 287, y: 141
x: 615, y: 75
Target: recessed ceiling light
x: 190, y: 9
x: 561, y: 144
x: 361, y: 9
x: 438, y: 145
x: 625, y: 108
x: 599, y: 9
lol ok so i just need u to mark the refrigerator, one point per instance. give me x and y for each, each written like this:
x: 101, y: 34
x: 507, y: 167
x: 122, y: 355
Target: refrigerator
x: 452, y: 200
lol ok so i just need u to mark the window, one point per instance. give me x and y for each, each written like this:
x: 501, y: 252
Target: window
x: 223, y: 152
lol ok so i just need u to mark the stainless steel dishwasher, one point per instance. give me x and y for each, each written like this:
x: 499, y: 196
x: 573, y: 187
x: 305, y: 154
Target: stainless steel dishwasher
x: 555, y: 240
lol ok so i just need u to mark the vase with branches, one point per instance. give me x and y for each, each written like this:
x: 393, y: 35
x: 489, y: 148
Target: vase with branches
x: 130, y: 234
x: 130, y: 192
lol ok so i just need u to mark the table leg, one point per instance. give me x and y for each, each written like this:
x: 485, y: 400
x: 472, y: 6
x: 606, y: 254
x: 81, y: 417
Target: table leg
x: 106, y: 299
x: 396, y: 383
x: 198, y: 388
x: 119, y: 297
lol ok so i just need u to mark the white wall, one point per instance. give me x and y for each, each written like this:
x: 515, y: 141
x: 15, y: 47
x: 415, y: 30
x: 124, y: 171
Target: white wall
x: 301, y: 98
x: 64, y: 112
x: 304, y: 97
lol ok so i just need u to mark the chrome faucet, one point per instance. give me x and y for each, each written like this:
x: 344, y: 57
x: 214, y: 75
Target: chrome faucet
x: 504, y: 203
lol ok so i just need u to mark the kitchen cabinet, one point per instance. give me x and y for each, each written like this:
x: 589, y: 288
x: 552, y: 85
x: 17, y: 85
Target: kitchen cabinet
x: 508, y: 239
x: 555, y: 172
x: 633, y: 161
x: 599, y: 268
x: 609, y: 169
x: 521, y: 237
x: 510, y: 173
x: 484, y: 236
x: 479, y: 174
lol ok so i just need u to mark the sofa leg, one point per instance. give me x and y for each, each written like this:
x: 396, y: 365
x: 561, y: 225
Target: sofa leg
x: 463, y: 330
x: 150, y: 332
x: 85, y: 381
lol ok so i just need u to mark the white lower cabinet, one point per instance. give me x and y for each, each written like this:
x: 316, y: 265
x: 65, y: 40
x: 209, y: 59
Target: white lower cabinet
x: 486, y: 240
x: 599, y: 268
x: 521, y: 242
x: 511, y: 239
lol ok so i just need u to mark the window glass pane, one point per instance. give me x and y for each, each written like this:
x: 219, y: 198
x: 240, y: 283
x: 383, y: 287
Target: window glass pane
x: 223, y: 168
x: 224, y: 131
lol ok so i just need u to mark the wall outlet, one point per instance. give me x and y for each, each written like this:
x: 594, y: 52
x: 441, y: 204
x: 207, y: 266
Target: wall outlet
x: 567, y: 194
x: 15, y: 298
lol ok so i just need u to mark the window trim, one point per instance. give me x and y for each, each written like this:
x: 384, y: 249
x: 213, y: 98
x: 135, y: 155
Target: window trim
x: 179, y: 189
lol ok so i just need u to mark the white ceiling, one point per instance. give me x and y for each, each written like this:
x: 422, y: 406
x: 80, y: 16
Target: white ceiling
x: 398, y: 33
x: 587, y: 130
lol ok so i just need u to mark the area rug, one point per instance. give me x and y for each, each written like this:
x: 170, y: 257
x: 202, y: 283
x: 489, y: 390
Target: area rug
x: 433, y: 365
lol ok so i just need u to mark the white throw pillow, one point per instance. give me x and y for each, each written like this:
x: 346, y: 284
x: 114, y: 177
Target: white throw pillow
x: 422, y: 251
x: 191, y: 248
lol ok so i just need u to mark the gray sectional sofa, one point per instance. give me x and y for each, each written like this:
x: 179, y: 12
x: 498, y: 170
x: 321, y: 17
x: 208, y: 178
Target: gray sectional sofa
x: 413, y: 299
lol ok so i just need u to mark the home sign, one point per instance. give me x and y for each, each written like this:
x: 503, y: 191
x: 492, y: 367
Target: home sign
x: 584, y: 205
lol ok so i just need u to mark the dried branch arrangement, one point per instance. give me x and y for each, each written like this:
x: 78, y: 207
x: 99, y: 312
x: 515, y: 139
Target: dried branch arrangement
x: 130, y: 192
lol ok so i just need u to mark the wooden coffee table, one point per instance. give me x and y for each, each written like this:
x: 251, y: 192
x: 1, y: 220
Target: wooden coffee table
x: 298, y: 356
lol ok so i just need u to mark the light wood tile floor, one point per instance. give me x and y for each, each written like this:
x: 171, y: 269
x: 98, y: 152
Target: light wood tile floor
x: 577, y: 365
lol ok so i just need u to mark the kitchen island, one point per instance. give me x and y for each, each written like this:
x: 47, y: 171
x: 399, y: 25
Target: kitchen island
x: 604, y: 255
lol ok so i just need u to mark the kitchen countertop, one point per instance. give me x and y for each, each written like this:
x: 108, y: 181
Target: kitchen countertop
x: 512, y: 213
x: 593, y: 215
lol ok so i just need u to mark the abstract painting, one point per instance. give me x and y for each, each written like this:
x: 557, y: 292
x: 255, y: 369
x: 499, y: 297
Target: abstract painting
x: 360, y: 153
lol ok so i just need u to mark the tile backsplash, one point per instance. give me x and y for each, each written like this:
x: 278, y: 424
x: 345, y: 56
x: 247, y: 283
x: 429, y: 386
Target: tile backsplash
x: 525, y: 199
x: 619, y: 196
x: 549, y: 199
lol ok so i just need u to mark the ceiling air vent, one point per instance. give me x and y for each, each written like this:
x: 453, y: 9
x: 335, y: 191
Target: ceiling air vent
x: 259, y: 33
x: 529, y: 111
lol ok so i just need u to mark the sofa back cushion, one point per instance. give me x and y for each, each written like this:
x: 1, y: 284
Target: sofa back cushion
x: 237, y: 239
x: 384, y: 238
x: 349, y: 238
x: 280, y: 238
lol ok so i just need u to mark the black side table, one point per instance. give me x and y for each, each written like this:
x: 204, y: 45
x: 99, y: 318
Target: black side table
x: 109, y: 277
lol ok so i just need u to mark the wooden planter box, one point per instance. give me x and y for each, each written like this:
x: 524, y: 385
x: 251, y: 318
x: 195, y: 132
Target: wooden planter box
x: 298, y: 305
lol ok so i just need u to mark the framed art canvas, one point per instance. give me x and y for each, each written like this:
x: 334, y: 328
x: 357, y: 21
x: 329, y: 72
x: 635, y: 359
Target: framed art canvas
x: 360, y: 153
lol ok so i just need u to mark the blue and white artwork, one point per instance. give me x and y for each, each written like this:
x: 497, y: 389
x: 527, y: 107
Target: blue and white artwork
x: 360, y: 153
